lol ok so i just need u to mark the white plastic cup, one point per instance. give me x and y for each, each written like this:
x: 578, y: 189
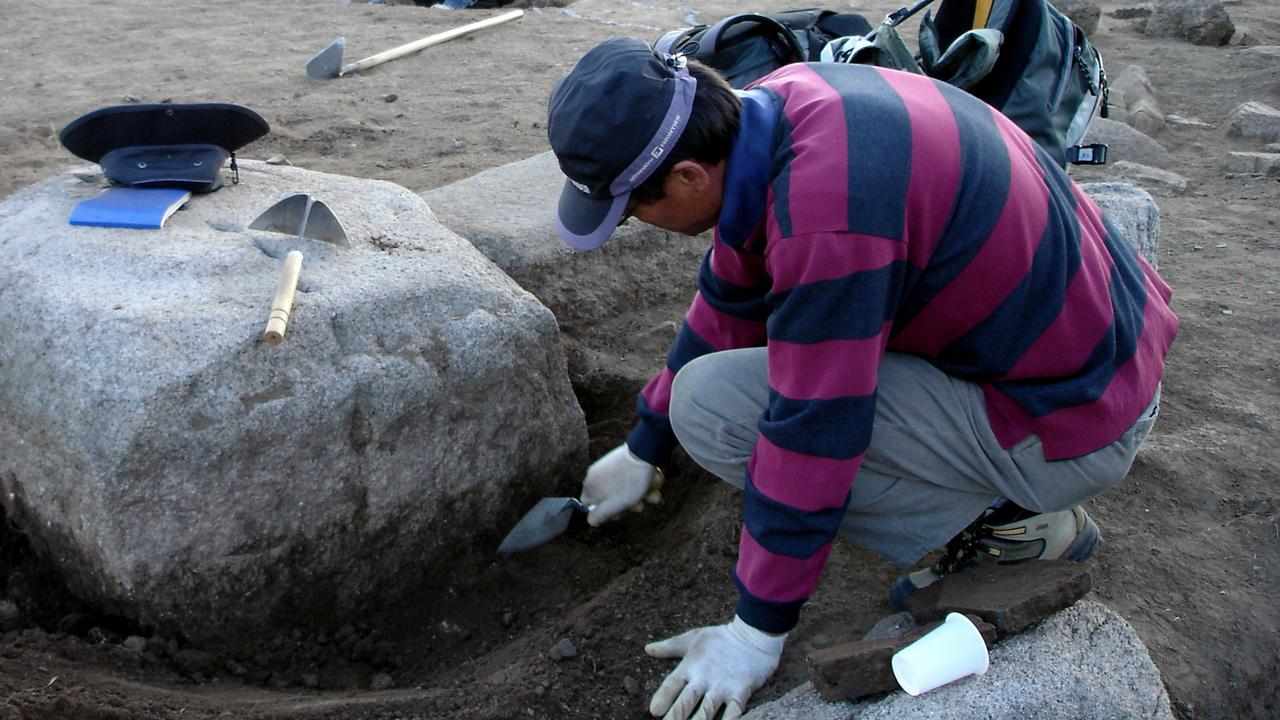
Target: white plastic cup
x: 953, y: 650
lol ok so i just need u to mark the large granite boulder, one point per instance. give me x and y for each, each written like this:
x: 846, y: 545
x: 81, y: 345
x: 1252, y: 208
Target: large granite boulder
x: 619, y: 307
x: 1202, y: 22
x: 1084, y: 662
x: 180, y: 471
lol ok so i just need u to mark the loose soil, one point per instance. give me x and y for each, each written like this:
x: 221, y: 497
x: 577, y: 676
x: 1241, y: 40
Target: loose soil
x: 1191, y: 556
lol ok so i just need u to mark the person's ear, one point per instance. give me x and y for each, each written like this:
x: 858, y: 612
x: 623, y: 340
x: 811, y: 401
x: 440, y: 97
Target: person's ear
x: 690, y: 174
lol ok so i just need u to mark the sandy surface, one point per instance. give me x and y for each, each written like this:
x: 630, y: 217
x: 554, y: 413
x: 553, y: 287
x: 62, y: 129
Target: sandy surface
x: 1192, y: 554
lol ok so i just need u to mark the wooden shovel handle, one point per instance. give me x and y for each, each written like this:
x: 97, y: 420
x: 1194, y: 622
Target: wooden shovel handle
x: 282, y: 304
x: 428, y: 41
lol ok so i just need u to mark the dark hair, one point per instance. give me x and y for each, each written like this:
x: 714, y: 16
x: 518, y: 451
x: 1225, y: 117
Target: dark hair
x: 708, y: 136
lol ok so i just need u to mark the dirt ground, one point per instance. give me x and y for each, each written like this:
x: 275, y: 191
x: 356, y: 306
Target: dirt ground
x: 1192, y: 553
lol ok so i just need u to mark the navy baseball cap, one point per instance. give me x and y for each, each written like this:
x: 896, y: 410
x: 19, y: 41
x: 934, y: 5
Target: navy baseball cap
x: 611, y: 121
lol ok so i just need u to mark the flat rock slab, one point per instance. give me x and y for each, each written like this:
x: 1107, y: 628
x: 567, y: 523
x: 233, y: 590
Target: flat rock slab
x: 183, y: 473
x: 1010, y: 597
x: 1267, y: 163
x: 1084, y: 662
x: 1127, y: 143
x: 849, y: 671
x: 1157, y: 180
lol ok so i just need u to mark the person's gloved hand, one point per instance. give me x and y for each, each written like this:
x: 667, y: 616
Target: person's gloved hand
x: 722, y: 666
x: 619, y: 481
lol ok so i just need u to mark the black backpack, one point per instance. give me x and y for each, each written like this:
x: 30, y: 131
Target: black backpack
x: 747, y: 46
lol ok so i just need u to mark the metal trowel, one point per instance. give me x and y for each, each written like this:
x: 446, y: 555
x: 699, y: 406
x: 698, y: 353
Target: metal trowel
x: 302, y: 215
x: 544, y: 522
x: 551, y: 516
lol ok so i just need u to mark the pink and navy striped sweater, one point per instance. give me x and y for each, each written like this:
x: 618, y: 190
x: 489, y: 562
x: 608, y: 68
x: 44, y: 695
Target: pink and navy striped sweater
x: 868, y: 210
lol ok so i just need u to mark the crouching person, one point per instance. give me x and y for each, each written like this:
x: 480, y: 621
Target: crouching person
x: 911, y: 329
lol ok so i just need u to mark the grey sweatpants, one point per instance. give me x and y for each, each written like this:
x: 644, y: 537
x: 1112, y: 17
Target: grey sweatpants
x: 933, y: 464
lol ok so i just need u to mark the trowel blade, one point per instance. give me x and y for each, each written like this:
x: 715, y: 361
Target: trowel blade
x: 322, y: 224
x: 545, y: 521
x: 287, y: 216
x: 327, y: 63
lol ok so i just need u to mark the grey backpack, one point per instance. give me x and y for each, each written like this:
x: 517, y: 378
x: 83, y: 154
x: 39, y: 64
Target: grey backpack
x: 1023, y: 57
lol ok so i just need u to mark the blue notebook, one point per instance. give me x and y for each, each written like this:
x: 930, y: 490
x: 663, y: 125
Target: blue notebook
x: 130, y: 208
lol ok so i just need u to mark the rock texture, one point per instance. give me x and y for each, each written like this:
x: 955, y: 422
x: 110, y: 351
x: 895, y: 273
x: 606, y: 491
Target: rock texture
x: 1084, y: 662
x: 1127, y: 143
x: 1254, y: 120
x: 1154, y: 179
x: 1132, y: 212
x: 183, y: 473
x: 1132, y: 91
x: 1084, y: 13
x: 1202, y: 22
x: 1267, y: 163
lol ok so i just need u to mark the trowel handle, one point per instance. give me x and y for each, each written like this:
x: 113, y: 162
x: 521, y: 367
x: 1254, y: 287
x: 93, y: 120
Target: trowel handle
x: 428, y: 41
x: 282, y: 304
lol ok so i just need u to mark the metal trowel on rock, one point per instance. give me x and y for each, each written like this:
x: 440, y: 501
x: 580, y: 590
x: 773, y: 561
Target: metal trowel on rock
x: 304, y: 216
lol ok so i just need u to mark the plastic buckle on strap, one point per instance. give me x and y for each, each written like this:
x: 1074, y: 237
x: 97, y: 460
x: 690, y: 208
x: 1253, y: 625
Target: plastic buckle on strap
x: 1095, y: 154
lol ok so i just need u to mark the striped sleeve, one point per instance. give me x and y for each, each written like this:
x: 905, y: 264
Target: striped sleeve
x: 728, y: 312
x: 823, y: 367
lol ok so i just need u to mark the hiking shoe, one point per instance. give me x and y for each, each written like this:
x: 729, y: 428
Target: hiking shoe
x: 1008, y: 534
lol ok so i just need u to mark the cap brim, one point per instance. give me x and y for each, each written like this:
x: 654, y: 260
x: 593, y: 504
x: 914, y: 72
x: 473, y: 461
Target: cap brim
x: 585, y: 223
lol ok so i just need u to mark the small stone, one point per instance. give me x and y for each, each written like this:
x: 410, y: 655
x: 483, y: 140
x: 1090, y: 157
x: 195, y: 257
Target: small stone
x: 135, y: 643
x: 1180, y: 121
x: 390, y: 97
x: 631, y: 685
x: 508, y: 618
x: 1227, y: 312
x: 382, y: 681
x: 278, y: 160
x: 10, y: 615
x: 131, y: 99
x: 564, y: 649
x: 891, y: 627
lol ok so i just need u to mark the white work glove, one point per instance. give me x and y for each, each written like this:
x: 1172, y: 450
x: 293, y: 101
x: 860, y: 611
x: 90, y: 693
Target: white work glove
x: 619, y: 481
x: 722, y: 666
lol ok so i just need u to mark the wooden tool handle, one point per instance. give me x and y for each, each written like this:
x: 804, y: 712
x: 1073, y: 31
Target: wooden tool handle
x: 428, y: 41
x: 283, y: 302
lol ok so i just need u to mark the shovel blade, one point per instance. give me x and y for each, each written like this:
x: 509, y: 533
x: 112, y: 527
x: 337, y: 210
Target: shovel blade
x: 545, y: 521
x: 327, y: 63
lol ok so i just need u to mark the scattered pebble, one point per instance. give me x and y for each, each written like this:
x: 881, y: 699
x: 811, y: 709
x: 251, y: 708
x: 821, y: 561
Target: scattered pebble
x: 278, y: 160
x: 631, y: 685
x: 382, y: 681
x: 10, y: 615
x: 390, y: 97
x: 1226, y: 312
x: 131, y: 99
x: 508, y: 618
x: 135, y: 643
x: 564, y: 649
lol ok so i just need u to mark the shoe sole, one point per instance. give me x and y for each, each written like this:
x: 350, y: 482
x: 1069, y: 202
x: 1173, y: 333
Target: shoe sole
x: 1082, y: 548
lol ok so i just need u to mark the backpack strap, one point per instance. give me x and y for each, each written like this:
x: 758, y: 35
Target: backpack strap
x: 711, y: 41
